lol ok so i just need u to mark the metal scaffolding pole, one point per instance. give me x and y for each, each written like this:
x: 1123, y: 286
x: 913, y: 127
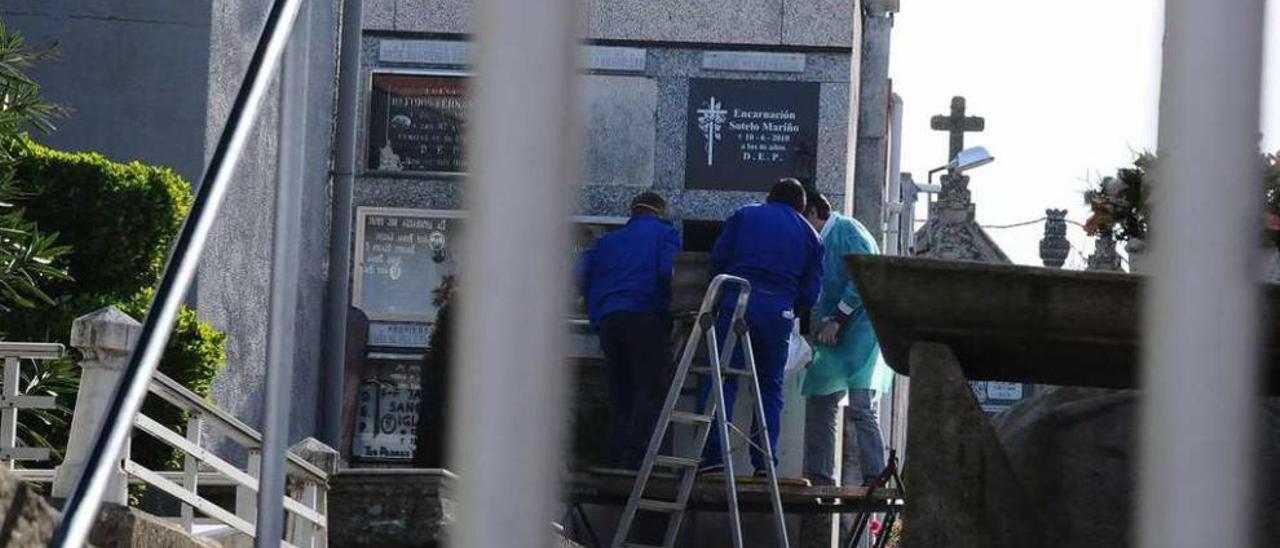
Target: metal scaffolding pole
x: 1202, y: 311
x: 524, y: 144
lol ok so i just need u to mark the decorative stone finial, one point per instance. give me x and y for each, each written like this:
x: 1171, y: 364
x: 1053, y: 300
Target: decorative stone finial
x: 1054, y: 247
x: 1105, y: 258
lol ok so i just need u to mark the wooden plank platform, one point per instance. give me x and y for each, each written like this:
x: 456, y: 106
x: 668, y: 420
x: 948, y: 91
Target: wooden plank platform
x: 612, y: 487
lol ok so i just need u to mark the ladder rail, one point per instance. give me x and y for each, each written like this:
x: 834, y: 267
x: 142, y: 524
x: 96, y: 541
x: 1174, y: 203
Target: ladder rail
x: 705, y: 311
x: 722, y: 429
x: 660, y: 430
x: 770, y: 466
x: 713, y: 416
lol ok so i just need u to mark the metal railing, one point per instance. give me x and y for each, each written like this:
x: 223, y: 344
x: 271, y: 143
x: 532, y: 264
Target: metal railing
x: 309, y: 513
x: 82, y: 505
x: 12, y: 401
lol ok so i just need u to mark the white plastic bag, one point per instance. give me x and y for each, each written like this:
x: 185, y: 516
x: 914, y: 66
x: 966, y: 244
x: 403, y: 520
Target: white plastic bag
x: 799, y: 353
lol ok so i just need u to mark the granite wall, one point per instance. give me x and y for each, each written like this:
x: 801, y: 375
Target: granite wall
x: 634, y: 123
x: 823, y: 23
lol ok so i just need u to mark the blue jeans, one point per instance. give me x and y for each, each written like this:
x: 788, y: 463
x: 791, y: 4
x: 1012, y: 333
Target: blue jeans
x: 863, y: 451
x: 770, y: 329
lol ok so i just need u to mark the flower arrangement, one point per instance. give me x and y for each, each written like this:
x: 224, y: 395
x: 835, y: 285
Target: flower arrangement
x: 1119, y: 204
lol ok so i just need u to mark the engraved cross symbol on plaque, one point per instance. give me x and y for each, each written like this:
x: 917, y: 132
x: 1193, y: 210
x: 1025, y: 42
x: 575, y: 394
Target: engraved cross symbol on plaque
x: 710, y: 118
x: 957, y: 124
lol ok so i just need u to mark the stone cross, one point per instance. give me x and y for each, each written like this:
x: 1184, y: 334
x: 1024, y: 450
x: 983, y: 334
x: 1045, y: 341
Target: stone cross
x: 957, y: 124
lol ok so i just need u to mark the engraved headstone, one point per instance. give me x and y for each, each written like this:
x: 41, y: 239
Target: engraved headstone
x: 403, y: 256
x: 386, y: 417
x: 416, y: 123
x: 745, y: 135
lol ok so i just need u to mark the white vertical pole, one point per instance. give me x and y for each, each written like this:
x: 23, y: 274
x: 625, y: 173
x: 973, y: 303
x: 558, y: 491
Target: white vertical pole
x: 246, y: 500
x: 1202, y: 317
x: 277, y: 401
x: 191, y: 471
x: 9, y: 411
x: 523, y: 148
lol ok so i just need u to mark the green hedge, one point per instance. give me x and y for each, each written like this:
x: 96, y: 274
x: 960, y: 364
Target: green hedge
x: 119, y: 218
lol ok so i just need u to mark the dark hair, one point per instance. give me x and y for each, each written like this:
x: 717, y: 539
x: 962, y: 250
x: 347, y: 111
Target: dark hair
x: 649, y: 203
x: 788, y: 191
x: 818, y: 205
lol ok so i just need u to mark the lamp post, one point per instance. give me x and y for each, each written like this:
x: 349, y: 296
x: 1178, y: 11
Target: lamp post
x: 967, y: 159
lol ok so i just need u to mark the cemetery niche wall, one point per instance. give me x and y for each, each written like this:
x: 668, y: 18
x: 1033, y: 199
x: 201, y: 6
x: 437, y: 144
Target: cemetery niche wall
x: 786, y: 114
x: 403, y: 256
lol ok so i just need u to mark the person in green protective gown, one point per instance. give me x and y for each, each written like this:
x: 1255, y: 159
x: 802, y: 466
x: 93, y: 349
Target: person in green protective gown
x: 846, y: 363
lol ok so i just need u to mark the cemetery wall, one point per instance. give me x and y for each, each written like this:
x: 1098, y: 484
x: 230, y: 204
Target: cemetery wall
x: 234, y: 279
x: 642, y: 87
x: 823, y: 23
x: 636, y: 122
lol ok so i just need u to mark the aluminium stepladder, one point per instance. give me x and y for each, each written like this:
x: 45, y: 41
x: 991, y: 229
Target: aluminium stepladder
x: 713, y: 417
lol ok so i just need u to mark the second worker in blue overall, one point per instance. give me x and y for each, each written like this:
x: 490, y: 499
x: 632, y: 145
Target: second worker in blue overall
x: 773, y: 247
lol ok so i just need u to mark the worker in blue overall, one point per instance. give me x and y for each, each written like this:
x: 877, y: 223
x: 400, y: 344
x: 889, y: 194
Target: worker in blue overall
x: 773, y: 247
x: 626, y: 279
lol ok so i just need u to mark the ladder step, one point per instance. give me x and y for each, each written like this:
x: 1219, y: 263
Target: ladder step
x: 676, y: 462
x: 728, y: 371
x: 690, y: 418
x: 659, y: 505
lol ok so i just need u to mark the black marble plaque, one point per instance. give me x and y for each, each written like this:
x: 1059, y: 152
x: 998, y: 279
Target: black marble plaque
x: 747, y: 134
x: 416, y: 123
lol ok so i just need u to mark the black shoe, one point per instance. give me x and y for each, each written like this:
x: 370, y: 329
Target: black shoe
x: 760, y: 474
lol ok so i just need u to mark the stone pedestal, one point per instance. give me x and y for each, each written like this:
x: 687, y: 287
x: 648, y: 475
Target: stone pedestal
x: 104, y: 339
x: 963, y: 492
x: 391, y: 507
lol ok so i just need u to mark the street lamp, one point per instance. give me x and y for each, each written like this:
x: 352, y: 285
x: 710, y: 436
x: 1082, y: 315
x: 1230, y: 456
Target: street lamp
x: 967, y: 159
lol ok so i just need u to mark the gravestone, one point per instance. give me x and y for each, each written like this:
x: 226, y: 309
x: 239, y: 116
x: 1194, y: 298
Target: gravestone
x: 416, y: 122
x: 402, y: 257
x: 746, y: 134
x: 386, y: 413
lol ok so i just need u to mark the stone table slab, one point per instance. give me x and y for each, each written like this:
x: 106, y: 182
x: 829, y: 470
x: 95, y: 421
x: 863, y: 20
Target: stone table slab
x: 1017, y: 323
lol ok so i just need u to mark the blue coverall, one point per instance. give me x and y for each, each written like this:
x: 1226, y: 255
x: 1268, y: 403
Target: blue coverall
x: 626, y: 279
x: 774, y: 248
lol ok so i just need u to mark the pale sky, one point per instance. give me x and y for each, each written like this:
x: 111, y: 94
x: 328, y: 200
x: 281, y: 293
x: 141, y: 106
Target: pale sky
x: 1069, y: 91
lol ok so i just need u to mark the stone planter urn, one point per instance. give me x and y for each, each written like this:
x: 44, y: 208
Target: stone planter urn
x: 1136, y: 248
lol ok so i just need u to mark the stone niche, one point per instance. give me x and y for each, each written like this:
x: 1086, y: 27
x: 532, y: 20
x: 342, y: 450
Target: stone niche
x: 620, y: 127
